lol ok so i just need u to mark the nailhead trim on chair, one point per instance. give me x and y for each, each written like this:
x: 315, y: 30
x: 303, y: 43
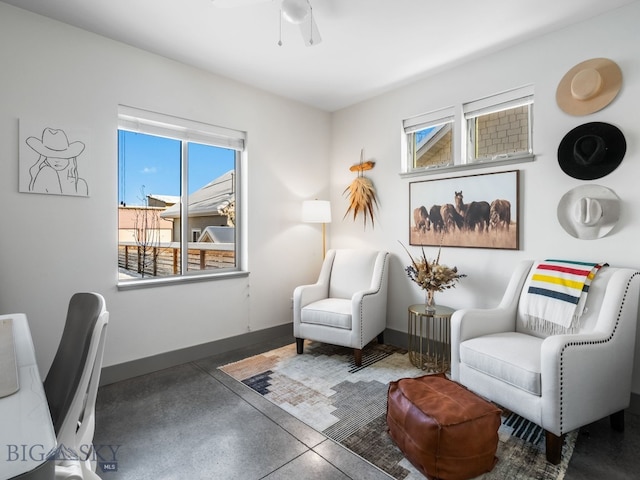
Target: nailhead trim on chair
x: 570, y: 344
x: 384, y: 266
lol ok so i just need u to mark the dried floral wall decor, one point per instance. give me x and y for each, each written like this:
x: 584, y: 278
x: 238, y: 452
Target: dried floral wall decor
x: 362, y: 194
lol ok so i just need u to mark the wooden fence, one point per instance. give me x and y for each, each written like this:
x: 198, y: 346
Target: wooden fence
x: 164, y: 260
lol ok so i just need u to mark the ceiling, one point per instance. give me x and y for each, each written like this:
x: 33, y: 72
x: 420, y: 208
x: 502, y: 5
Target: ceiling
x: 368, y: 46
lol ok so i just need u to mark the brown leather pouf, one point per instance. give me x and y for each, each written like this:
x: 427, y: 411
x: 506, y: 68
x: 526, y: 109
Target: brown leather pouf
x: 446, y: 431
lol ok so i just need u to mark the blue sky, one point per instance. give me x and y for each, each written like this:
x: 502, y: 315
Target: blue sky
x: 153, y: 164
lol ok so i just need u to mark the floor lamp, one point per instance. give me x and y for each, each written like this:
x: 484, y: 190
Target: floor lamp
x: 318, y: 211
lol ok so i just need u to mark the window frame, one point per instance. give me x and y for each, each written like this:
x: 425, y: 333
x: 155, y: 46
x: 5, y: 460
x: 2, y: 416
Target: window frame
x: 413, y: 125
x: 501, y: 102
x: 189, y: 131
x: 462, y: 115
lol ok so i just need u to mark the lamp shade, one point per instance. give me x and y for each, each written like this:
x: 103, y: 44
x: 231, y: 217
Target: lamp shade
x: 316, y: 211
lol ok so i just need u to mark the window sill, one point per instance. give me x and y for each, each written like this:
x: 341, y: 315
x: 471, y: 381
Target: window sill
x: 435, y: 170
x: 166, y: 281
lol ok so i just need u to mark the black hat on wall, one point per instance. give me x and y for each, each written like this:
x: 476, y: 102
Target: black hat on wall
x: 591, y: 150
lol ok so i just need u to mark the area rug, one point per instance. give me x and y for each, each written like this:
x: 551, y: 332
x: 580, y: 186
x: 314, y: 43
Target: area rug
x: 324, y: 389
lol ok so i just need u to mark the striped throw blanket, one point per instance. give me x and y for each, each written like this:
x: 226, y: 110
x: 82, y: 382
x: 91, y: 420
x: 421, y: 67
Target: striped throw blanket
x: 557, y: 295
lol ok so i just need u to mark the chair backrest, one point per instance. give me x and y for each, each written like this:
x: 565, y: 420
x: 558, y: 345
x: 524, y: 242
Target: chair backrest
x: 72, y: 381
x: 595, y: 299
x: 352, y: 271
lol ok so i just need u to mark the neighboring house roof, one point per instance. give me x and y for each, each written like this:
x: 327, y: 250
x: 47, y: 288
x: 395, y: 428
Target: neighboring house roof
x: 166, y: 199
x: 209, y: 200
x: 218, y: 234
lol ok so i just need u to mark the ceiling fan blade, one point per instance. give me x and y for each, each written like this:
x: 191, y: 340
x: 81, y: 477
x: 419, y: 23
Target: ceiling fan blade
x: 236, y: 3
x: 310, y: 32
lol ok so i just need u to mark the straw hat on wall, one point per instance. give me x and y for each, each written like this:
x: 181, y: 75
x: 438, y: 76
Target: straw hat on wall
x: 589, y: 86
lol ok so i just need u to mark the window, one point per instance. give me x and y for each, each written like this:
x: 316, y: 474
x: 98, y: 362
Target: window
x: 499, y: 127
x: 493, y: 130
x: 178, y: 197
x: 430, y: 139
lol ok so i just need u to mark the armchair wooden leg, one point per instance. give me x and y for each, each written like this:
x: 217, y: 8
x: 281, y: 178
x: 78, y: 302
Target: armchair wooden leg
x: 554, y: 447
x: 299, y: 345
x: 357, y: 353
x: 381, y: 338
x: 617, y: 421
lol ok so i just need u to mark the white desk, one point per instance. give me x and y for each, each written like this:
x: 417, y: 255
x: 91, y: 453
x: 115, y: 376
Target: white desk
x: 26, y: 430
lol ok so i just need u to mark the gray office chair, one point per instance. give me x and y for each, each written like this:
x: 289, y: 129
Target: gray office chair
x: 71, y: 386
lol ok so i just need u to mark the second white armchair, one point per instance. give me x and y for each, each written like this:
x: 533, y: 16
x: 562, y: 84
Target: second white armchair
x: 560, y: 382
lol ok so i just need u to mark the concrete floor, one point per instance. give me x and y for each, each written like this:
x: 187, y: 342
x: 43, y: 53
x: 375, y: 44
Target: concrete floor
x: 193, y: 422
x: 601, y: 452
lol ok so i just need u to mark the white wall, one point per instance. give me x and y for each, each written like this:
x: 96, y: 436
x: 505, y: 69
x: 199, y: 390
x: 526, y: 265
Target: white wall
x: 375, y: 126
x: 53, y: 246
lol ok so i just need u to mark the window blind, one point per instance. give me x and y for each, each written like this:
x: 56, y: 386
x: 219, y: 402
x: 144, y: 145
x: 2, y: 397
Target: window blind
x: 153, y: 123
x: 430, y: 119
x: 503, y: 101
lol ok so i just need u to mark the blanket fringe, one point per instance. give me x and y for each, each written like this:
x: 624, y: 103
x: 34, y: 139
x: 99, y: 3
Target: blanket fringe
x: 550, y: 328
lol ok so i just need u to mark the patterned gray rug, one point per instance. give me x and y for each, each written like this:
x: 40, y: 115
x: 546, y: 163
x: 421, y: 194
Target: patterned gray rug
x: 324, y: 389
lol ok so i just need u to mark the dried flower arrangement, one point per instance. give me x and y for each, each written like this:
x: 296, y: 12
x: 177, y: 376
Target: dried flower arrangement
x: 432, y: 275
x: 362, y: 195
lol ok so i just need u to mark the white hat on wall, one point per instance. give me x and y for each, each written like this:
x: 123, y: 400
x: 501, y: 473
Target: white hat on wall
x: 589, y: 211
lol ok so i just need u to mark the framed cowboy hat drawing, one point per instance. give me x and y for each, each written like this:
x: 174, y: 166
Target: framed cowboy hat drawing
x: 52, y: 160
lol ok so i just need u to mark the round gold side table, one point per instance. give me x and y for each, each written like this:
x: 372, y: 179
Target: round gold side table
x: 430, y: 337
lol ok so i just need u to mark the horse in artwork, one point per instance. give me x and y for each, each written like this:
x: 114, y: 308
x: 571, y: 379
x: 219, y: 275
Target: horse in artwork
x: 420, y: 219
x: 451, y: 219
x: 435, y: 219
x: 500, y: 214
x: 475, y: 214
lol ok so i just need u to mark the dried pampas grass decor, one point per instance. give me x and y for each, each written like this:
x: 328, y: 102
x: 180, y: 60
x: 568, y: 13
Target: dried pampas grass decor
x: 362, y: 194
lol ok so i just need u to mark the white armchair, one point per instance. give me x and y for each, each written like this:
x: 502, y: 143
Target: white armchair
x: 347, y: 306
x: 560, y: 382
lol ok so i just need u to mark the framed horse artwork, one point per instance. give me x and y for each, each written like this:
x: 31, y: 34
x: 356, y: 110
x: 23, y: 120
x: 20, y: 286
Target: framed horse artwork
x: 480, y: 211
